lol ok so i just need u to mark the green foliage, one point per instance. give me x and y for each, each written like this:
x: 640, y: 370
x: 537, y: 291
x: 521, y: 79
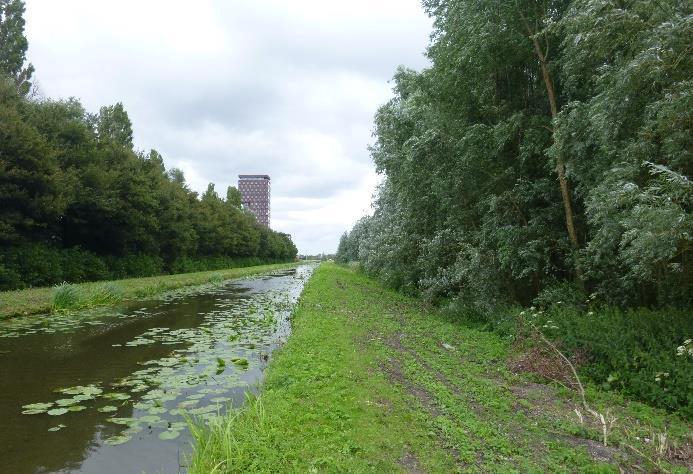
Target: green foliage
x: 66, y: 296
x: 78, y: 203
x: 13, y: 45
x: 471, y: 149
x: 628, y: 350
x: 106, y: 294
x: 441, y: 388
x: 216, y: 278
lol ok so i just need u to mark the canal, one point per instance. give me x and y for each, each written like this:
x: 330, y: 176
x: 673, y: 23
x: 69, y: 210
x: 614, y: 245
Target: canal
x: 109, y: 390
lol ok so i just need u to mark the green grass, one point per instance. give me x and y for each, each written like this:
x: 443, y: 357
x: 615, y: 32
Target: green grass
x: 373, y: 381
x: 73, y: 296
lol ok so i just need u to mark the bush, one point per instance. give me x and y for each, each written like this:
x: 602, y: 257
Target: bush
x: 137, y: 265
x: 633, y: 351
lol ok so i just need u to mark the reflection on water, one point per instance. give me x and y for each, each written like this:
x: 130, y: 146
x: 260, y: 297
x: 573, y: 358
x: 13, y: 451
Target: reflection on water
x: 106, y: 390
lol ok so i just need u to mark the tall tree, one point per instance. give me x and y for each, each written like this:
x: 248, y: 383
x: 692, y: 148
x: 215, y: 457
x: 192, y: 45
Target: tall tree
x: 13, y: 45
x: 113, y: 125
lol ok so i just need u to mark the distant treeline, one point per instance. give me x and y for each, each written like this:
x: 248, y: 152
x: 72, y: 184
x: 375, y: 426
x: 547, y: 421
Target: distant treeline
x: 78, y: 203
x: 545, y: 155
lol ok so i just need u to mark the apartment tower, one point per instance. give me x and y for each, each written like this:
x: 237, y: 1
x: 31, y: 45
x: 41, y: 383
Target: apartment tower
x: 255, y: 195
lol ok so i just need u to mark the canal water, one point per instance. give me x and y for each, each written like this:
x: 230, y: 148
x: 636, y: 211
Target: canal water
x: 108, y: 390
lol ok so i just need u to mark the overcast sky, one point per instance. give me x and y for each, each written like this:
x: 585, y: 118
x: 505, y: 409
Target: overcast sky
x: 228, y: 87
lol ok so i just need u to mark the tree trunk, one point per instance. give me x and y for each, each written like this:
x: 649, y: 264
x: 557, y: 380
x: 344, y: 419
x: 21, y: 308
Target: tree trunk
x: 560, y: 164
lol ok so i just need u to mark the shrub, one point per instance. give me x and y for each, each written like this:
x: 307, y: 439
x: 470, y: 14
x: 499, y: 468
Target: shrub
x: 634, y: 351
x: 137, y: 265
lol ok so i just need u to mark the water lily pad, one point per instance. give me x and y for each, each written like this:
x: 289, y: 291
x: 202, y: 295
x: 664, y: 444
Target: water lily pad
x: 150, y: 419
x: 220, y: 399
x: 169, y: 434
x: 108, y: 409
x: 121, y: 421
x: 116, y: 396
x: 57, y: 428
x: 81, y: 390
x: 240, y: 362
x: 132, y: 430
x: 76, y: 408
x: 35, y: 411
x: 57, y: 411
x: 157, y: 410
x: 38, y: 406
x: 116, y: 440
x: 66, y: 402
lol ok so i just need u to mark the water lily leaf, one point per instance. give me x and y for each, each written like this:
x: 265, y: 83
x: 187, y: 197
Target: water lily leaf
x: 57, y: 428
x: 240, y: 362
x: 82, y: 397
x: 116, y: 440
x: 116, y: 396
x: 150, y: 419
x: 57, y: 411
x: 220, y: 399
x: 108, y: 409
x: 157, y: 410
x: 132, y: 430
x: 66, y: 402
x: 34, y: 411
x: 81, y: 390
x: 169, y: 434
x: 76, y: 408
x: 37, y: 406
x: 121, y: 421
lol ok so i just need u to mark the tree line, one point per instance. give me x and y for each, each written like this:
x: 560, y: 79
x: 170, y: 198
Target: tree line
x: 545, y: 155
x: 78, y: 202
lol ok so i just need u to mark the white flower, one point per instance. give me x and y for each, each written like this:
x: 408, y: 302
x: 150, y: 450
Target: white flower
x: 590, y: 313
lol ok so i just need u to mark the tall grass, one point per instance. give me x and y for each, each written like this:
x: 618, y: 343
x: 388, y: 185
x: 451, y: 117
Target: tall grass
x: 66, y: 296
x: 106, y: 294
x: 230, y: 443
x: 216, y: 278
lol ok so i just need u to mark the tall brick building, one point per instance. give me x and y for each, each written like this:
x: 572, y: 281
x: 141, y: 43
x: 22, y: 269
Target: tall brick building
x: 255, y: 195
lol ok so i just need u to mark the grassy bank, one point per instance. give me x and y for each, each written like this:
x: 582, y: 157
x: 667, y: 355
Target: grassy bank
x: 40, y: 300
x: 373, y: 381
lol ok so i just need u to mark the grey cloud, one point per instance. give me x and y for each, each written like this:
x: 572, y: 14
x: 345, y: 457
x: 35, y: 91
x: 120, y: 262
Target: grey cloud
x: 228, y: 87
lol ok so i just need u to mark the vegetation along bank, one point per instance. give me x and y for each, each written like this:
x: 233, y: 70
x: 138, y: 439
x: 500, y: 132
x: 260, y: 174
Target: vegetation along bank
x: 544, y: 160
x: 84, y: 295
x: 373, y: 380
